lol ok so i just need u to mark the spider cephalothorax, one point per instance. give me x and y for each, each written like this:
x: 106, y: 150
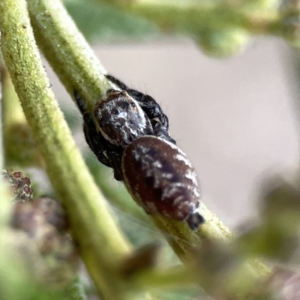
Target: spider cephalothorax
x: 158, y: 119
x: 119, y: 118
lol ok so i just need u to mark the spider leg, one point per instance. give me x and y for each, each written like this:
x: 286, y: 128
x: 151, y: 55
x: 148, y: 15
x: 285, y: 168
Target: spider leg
x: 160, y: 131
x: 116, y: 162
x: 107, y: 153
x: 117, y: 82
x: 95, y: 141
x: 93, y: 138
x: 80, y: 103
x: 159, y: 120
x: 150, y: 107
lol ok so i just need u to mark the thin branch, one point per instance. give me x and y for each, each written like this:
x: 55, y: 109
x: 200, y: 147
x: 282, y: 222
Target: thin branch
x: 67, y: 51
x: 1, y: 112
x: 100, y: 241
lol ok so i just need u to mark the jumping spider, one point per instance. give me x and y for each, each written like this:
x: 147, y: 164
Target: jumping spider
x: 128, y: 132
x: 119, y: 118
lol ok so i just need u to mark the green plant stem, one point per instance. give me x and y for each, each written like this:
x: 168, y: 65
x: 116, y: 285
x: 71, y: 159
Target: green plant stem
x: 67, y: 51
x: 12, y: 110
x: 1, y: 111
x: 16, y: 131
x: 183, y: 240
x: 116, y: 193
x: 99, y: 240
x: 5, y: 206
x: 172, y: 278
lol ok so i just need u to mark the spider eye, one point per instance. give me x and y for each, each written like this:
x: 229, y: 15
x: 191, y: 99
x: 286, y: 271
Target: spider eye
x: 115, y: 111
x: 132, y: 104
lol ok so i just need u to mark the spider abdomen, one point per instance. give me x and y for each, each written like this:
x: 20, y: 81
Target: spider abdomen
x: 162, y: 180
